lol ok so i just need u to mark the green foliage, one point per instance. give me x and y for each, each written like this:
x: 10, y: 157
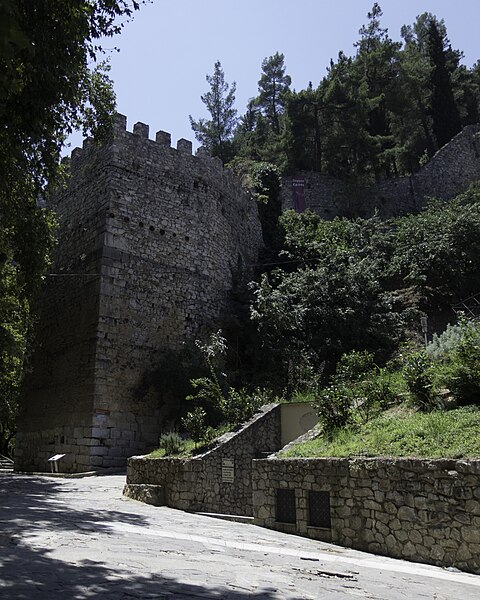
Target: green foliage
x: 334, y: 406
x: 171, y: 443
x: 438, y: 250
x: 462, y: 374
x: 357, y: 391
x: 231, y: 405
x: 273, y: 87
x: 445, y: 114
x: 442, y: 345
x: 266, y: 184
x: 216, y: 133
x: 357, y: 284
x: 374, y: 114
x: 241, y: 405
x: 195, y: 424
x: 418, y: 376
x: 208, y: 389
x: 401, y: 432
x: 333, y: 301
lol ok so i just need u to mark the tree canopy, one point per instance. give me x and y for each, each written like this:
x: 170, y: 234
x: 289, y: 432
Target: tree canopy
x: 379, y: 113
x: 357, y: 284
x: 216, y: 133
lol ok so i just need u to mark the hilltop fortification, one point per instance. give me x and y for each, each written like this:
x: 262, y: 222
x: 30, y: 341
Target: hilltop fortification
x: 151, y: 242
x: 450, y: 171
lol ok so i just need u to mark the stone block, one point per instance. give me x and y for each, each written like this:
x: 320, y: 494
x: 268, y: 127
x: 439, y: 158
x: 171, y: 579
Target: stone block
x: 100, y: 432
x: 141, y: 129
x: 163, y: 138
x: 406, y: 513
x: 184, y: 146
x: 149, y: 494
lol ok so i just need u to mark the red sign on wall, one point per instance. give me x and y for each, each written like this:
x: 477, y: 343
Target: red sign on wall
x: 298, y: 193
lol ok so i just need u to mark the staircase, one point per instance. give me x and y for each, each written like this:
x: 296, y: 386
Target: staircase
x: 6, y: 464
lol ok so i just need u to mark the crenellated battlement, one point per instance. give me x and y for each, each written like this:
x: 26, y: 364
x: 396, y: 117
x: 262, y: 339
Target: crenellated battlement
x: 141, y: 131
x: 153, y: 240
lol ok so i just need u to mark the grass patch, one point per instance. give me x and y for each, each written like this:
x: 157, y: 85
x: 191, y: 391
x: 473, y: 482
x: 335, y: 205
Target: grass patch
x: 402, y: 432
x: 189, y: 448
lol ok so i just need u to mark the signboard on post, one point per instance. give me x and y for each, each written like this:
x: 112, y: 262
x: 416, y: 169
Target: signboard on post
x: 228, y: 470
x: 298, y: 194
x: 53, y: 460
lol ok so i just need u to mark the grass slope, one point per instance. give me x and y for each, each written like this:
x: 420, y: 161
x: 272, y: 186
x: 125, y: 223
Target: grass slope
x: 402, y: 432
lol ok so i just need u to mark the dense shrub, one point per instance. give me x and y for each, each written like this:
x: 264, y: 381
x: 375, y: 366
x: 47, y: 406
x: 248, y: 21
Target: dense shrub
x: 195, y: 424
x: 171, y: 443
x: 462, y: 373
x: 358, y: 390
x: 418, y: 376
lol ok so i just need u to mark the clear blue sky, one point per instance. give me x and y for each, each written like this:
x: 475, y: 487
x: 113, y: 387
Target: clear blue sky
x: 169, y: 47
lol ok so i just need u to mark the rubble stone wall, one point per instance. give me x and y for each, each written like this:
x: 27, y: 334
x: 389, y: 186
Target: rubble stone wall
x: 199, y: 484
x: 448, y: 173
x: 420, y: 510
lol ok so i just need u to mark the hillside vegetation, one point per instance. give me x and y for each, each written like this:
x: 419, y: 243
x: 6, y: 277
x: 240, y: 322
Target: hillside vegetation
x: 402, y: 432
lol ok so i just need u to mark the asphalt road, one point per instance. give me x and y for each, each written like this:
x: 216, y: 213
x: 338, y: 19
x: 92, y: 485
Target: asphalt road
x: 79, y: 538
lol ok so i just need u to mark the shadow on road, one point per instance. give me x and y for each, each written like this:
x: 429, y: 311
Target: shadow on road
x: 32, y: 502
x: 28, y: 504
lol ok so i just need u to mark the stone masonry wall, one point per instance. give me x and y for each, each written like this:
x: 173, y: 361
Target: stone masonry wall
x: 453, y: 168
x: 421, y: 510
x: 59, y: 391
x: 152, y: 242
x: 196, y: 483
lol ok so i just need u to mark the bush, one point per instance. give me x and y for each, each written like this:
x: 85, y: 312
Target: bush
x: 418, y: 375
x: 359, y: 388
x: 241, y: 406
x: 442, y: 345
x: 171, y: 443
x: 195, y: 424
x: 334, y: 406
x: 462, y: 373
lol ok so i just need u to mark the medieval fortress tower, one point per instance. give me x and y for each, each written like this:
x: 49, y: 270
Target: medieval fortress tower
x: 151, y: 239
x: 151, y: 243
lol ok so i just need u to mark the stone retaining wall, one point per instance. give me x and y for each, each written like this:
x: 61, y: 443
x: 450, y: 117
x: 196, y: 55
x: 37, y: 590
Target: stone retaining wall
x: 421, y: 510
x: 448, y: 173
x: 202, y: 483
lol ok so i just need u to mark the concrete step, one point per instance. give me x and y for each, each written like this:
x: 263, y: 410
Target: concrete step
x: 6, y: 464
x: 235, y: 518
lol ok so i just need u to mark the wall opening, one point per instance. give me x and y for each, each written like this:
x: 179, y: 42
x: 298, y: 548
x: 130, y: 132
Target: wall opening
x: 319, y: 509
x: 286, y: 512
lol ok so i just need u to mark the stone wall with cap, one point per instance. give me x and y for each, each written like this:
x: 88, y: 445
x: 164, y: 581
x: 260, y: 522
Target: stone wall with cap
x: 420, y: 510
x: 217, y: 481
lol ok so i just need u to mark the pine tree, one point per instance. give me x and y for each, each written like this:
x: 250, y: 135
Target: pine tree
x: 216, y: 133
x: 273, y: 86
x: 446, y: 119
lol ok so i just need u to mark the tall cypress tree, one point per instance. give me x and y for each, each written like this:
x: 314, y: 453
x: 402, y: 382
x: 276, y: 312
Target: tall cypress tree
x: 445, y: 116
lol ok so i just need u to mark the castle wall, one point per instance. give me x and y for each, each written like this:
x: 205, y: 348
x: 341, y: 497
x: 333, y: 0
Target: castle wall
x: 59, y: 391
x: 449, y: 172
x: 172, y: 234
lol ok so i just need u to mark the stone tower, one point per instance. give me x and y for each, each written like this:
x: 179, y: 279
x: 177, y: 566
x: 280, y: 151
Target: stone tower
x: 151, y: 240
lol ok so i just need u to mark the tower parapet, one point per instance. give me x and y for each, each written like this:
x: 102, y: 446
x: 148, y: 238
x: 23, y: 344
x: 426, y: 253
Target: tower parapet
x: 152, y: 239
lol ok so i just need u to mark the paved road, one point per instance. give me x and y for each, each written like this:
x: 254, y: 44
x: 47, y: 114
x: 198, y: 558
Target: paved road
x: 79, y: 539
